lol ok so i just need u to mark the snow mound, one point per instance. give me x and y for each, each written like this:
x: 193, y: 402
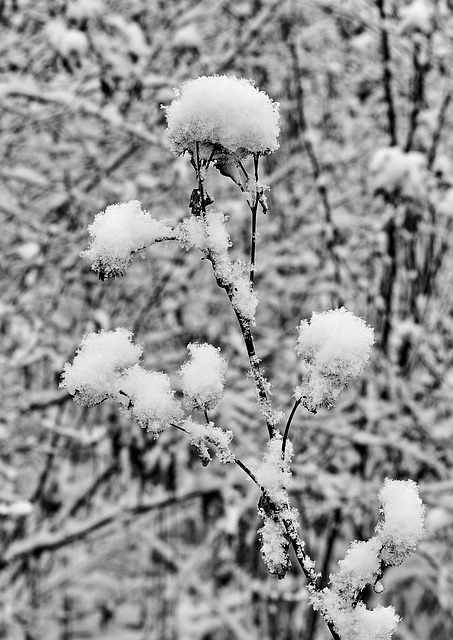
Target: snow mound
x: 395, y: 173
x: 97, y: 366
x: 335, y: 347
x: 151, y: 397
x: 225, y: 111
x: 120, y: 231
x: 203, y: 376
x: 404, y: 520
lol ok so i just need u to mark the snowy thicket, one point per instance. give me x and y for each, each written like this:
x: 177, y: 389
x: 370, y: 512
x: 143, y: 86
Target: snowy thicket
x: 234, y: 117
x: 335, y: 348
x: 81, y: 128
x: 222, y: 111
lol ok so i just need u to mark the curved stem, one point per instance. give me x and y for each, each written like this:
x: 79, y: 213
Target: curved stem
x: 254, y: 210
x: 288, y: 425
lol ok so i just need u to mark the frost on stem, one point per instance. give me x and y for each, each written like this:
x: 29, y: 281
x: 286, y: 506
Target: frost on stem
x: 225, y: 113
x: 119, y: 232
x: 209, y: 234
x: 150, y: 399
x: 203, y: 376
x: 204, y: 434
x: 395, y: 538
x: 97, y: 366
x: 274, y: 476
x: 335, y: 348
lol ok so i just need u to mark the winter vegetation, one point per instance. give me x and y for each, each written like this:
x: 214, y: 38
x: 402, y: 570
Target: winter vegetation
x: 261, y: 367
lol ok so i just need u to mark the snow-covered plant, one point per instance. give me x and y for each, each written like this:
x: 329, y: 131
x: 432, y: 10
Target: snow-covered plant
x: 220, y: 121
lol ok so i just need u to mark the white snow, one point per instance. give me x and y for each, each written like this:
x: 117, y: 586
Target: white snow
x: 396, y: 173
x: 359, y: 567
x: 417, y: 16
x: 202, y: 434
x: 225, y: 111
x: 65, y: 40
x: 404, y: 519
x: 95, y: 371
x: 83, y: 9
x: 335, y: 347
x: 118, y: 232
x: 209, y: 234
x: 274, y: 546
x: 191, y: 232
x: 187, y: 37
x: 153, y: 403
x: 203, y: 376
x: 445, y: 206
x: 358, y: 623
x: 274, y: 474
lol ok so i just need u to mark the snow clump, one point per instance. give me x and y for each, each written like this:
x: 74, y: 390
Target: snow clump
x: 360, y: 566
x: 417, y: 17
x: 204, y: 434
x: 280, y: 520
x: 120, y: 231
x: 67, y: 42
x: 275, y: 546
x: 203, y: 376
x: 209, y: 234
x: 335, y: 348
x: 404, y: 520
x: 151, y: 399
x: 356, y: 623
x: 395, y: 173
x: 224, y: 111
x: 98, y: 364
x: 274, y: 473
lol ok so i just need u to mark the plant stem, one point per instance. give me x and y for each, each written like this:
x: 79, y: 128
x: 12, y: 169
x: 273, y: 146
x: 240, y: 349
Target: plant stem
x: 254, y: 210
x: 387, y: 74
x: 288, y: 425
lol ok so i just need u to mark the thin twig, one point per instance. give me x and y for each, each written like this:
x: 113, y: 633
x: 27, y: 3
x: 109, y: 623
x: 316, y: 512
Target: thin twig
x: 254, y: 210
x: 439, y: 126
x: 387, y: 75
x: 288, y: 425
x: 418, y: 95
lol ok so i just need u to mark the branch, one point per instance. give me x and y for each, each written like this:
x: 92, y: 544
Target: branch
x: 387, y: 75
x: 418, y: 95
x: 35, y: 545
x: 439, y: 126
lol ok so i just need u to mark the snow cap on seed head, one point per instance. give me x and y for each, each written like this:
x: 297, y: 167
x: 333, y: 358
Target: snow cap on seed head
x: 98, y: 365
x: 151, y: 397
x: 225, y: 111
x: 203, y: 376
x: 117, y: 233
x: 335, y: 348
